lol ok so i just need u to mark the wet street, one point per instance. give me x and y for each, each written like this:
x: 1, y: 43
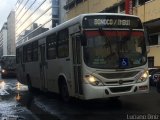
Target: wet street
x: 16, y: 103
x: 10, y: 107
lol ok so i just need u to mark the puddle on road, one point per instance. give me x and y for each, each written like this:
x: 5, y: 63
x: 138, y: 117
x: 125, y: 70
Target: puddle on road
x: 3, y: 92
x: 17, y: 87
x: 12, y: 117
x: 18, y: 97
x: 13, y: 101
x: 2, y: 85
x: 21, y: 87
x: 7, y: 108
x: 8, y: 105
x: 11, y: 111
x: 12, y: 86
x: 2, y: 89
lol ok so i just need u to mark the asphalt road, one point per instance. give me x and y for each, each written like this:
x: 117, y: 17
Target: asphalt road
x: 10, y: 107
x: 17, y: 102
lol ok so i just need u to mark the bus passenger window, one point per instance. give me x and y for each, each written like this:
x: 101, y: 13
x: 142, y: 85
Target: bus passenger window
x: 24, y: 54
x: 35, y: 51
x: 29, y: 53
x: 63, y: 43
x: 51, y: 47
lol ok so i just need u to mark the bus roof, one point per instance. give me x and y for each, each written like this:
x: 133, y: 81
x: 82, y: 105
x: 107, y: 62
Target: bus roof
x: 70, y: 22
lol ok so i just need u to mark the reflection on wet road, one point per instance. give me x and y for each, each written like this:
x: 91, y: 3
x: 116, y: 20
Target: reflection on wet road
x: 16, y: 101
x: 146, y: 104
x: 107, y: 109
x: 10, y: 108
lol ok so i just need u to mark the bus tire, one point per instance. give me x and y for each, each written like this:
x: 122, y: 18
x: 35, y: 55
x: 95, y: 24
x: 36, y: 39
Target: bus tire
x: 64, y: 91
x: 29, y: 84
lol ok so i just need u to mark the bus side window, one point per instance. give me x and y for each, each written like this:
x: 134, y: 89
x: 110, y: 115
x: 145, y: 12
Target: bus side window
x: 27, y: 53
x: 51, y: 47
x: 24, y: 54
x: 35, y: 51
x: 63, y: 43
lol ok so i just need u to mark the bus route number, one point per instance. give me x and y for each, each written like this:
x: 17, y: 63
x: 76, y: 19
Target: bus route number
x: 111, y: 22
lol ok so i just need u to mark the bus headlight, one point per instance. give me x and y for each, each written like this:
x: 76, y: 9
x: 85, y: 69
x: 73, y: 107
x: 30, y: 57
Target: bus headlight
x: 93, y: 80
x: 143, y: 76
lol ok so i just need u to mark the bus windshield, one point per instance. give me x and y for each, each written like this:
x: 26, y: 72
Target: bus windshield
x: 8, y: 62
x: 108, y: 49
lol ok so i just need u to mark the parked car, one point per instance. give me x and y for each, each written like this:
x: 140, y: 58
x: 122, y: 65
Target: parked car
x: 153, y: 76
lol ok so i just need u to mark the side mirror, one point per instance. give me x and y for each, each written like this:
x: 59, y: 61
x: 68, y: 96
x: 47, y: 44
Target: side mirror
x: 83, y: 39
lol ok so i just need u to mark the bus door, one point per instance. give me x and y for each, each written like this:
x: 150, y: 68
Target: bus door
x: 20, y: 66
x: 76, y: 48
x: 43, y: 66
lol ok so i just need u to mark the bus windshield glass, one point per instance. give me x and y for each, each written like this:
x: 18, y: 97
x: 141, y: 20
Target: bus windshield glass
x: 8, y: 62
x: 114, y: 49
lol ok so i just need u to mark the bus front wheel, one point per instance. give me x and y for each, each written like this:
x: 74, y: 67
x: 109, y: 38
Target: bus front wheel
x: 64, y: 91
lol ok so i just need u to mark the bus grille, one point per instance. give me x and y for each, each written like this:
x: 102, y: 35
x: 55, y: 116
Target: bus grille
x: 125, y: 82
x: 119, y: 75
x: 120, y: 89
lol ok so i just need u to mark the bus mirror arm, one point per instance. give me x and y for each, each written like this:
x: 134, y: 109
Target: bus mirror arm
x: 83, y: 40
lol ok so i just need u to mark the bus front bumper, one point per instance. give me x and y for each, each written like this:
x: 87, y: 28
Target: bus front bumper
x: 96, y: 92
x: 8, y: 72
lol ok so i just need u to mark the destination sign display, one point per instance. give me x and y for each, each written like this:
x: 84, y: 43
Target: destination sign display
x: 101, y: 21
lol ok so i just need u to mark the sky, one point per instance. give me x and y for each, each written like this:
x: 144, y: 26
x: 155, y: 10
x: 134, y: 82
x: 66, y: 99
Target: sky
x: 5, y: 7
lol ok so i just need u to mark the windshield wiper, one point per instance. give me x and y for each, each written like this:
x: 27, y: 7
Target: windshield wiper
x: 122, y: 42
x: 108, y: 43
x: 127, y: 37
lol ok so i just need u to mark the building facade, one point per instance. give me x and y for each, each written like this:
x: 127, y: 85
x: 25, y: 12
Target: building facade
x: 62, y: 11
x: 36, y: 16
x: 11, y: 33
x: 3, y: 40
x: 147, y: 10
x: 1, y: 43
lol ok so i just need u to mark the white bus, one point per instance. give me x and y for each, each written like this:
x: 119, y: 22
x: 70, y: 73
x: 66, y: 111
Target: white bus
x: 91, y: 56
